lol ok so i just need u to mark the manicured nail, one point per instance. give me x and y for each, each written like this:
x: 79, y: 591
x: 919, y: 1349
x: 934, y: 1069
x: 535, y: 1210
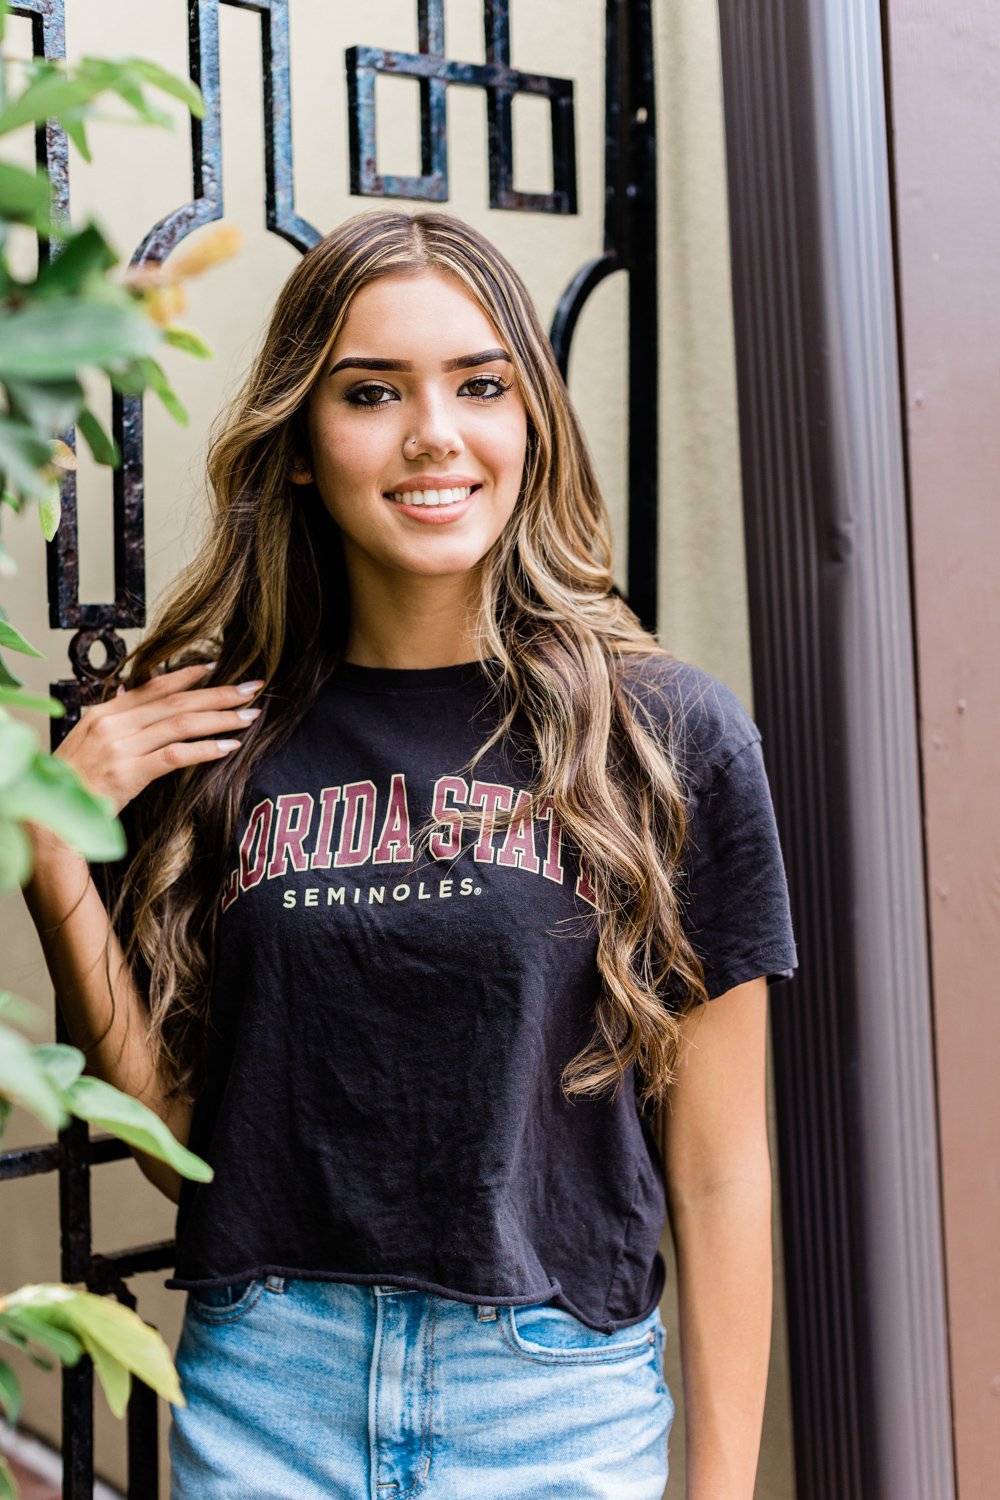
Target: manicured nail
x: 229, y: 744
x: 246, y: 714
x: 246, y: 688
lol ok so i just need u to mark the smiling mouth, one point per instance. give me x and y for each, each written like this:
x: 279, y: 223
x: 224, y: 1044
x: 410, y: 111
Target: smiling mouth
x: 434, y: 497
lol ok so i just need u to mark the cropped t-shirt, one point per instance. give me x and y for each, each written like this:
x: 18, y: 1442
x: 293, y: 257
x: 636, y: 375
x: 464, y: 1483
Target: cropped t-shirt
x: 382, y: 1099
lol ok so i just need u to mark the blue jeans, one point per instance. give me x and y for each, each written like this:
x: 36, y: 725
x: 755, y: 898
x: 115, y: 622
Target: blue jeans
x: 329, y: 1390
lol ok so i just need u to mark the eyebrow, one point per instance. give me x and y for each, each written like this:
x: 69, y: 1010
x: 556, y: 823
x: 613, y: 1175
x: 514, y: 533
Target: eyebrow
x: 463, y: 362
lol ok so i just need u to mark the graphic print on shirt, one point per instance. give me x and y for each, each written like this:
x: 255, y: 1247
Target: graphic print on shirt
x: 296, y: 832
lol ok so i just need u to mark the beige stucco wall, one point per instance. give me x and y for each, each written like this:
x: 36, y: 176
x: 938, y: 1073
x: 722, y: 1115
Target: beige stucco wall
x: 139, y: 174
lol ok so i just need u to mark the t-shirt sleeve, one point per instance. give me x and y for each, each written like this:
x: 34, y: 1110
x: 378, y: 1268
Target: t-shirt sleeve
x: 735, y: 907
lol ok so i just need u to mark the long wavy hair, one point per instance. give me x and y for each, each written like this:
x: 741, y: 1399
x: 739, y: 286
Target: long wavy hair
x: 266, y: 597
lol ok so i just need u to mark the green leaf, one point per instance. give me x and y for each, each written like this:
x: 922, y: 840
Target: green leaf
x: 58, y: 337
x: 23, y: 1080
x: 20, y: 189
x: 15, y: 856
x: 127, y: 378
x: 9, y: 1335
x: 61, y: 1064
x: 86, y: 254
x: 49, y: 407
x: 157, y: 381
x: 8, y: 1486
x: 24, y: 196
x: 17, y: 1011
x: 13, y: 640
x: 149, y: 114
x: 6, y: 1110
x: 50, y: 510
x: 101, y: 444
x: 23, y: 456
x: 10, y: 1393
x: 76, y: 131
x: 18, y: 747
x: 33, y: 704
x: 114, y: 1377
x: 38, y: 1323
x: 104, y: 1324
x: 181, y: 88
x: 51, y: 793
x: 139, y: 1348
x: 94, y: 1100
x: 53, y: 92
x: 183, y: 338
x: 7, y: 677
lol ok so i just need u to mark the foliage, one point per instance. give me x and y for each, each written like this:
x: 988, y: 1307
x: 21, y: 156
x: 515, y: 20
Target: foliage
x: 69, y: 1323
x: 72, y: 318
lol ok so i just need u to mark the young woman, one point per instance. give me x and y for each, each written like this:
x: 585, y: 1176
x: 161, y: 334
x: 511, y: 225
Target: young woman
x: 413, y: 961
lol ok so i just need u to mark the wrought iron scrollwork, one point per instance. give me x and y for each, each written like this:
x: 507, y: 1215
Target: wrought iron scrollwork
x: 436, y: 73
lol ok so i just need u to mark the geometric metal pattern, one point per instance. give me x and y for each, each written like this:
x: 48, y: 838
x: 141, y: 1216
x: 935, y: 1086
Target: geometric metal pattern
x: 101, y: 621
x: 435, y: 73
x: 630, y: 241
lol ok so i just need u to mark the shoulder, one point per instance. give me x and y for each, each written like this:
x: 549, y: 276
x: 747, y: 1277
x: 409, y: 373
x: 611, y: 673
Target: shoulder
x: 702, y: 721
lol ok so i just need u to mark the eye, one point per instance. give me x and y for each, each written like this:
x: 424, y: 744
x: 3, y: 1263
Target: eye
x: 486, y: 387
x: 370, y: 395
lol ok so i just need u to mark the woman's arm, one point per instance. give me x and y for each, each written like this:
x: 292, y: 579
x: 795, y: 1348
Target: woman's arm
x: 117, y: 748
x: 718, y: 1179
x: 73, y: 928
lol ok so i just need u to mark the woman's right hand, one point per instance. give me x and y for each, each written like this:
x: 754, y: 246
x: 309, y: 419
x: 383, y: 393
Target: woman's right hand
x: 117, y: 748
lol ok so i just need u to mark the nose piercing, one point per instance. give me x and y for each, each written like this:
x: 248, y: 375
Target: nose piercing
x: 410, y: 440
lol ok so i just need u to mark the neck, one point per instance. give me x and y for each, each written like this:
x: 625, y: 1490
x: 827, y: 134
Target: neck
x: 406, y: 620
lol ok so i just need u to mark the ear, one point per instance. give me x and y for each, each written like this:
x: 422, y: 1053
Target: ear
x: 300, y: 472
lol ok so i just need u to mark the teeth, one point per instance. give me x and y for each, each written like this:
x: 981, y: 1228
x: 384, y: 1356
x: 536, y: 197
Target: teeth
x: 433, y: 497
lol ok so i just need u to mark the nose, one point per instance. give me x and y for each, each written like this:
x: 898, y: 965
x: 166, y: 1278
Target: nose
x: 432, y: 430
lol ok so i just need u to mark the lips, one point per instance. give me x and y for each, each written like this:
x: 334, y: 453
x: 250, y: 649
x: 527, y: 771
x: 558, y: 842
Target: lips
x: 430, y: 508
x: 433, y: 496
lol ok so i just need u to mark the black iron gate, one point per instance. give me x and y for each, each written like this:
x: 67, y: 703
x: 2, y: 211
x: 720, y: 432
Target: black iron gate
x: 629, y: 245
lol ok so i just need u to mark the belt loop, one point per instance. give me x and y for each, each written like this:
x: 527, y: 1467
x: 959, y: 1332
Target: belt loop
x: 485, y: 1313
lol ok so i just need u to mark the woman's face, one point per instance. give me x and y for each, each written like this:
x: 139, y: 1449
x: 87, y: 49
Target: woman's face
x: 417, y: 429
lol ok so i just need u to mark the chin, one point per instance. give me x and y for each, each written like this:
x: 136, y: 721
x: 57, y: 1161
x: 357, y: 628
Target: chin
x: 438, y: 554
x: 443, y: 564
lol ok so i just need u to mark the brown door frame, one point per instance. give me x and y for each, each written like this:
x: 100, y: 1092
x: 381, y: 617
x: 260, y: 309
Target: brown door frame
x: 814, y: 290
x: 946, y: 178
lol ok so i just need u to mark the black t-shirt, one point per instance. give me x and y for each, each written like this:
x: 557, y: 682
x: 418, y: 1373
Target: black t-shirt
x: 382, y: 1098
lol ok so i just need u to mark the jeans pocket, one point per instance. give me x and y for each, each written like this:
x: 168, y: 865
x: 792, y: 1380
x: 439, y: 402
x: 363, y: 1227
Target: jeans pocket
x: 547, y: 1335
x: 224, y: 1304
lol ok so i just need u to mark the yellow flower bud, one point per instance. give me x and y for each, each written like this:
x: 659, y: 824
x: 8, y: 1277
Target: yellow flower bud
x: 63, y: 456
x: 216, y: 244
x: 166, y: 303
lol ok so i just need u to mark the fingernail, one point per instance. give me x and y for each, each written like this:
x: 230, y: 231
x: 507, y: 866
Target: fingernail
x: 246, y: 688
x: 246, y: 714
x: 229, y: 744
